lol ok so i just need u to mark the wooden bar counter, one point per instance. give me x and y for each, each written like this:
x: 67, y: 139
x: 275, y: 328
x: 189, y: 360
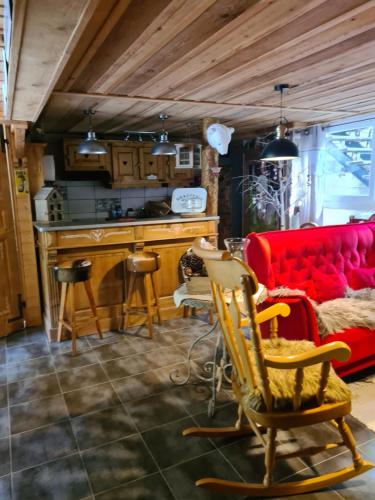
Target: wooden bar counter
x: 107, y: 246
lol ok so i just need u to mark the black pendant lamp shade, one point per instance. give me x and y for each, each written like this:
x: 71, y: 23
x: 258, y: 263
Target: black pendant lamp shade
x: 280, y: 149
x: 163, y: 147
x: 91, y: 145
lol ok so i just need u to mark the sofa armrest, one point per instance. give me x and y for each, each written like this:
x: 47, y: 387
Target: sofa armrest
x: 299, y: 325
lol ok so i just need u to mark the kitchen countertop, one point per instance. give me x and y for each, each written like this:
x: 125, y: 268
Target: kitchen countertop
x: 95, y: 224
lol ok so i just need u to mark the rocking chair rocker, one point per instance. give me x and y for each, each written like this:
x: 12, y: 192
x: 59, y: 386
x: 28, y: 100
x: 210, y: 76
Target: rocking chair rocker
x: 278, y: 384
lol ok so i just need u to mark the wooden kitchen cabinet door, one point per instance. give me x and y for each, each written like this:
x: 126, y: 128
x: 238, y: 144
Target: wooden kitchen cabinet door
x: 125, y: 165
x: 152, y: 168
x: 179, y: 176
x: 91, y: 163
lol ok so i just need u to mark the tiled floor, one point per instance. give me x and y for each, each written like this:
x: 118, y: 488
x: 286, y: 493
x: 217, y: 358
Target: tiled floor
x: 106, y: 423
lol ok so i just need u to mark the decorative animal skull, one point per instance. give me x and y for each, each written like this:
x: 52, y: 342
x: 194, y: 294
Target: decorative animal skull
x: 219, y: 136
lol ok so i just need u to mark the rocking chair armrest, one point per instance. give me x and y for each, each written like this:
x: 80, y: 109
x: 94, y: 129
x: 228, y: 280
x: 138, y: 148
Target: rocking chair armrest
x: 334, y: 350
x: 279, y: 309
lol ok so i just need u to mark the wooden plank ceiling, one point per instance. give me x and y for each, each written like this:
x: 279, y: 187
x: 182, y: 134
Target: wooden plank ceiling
x: 132, y: 59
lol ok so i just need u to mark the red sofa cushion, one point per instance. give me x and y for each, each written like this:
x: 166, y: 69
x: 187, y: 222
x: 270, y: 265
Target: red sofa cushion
x: 328, y: 286
x: 362, y: 278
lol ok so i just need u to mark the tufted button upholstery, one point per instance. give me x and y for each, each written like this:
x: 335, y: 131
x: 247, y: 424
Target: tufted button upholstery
x: 283, y: 257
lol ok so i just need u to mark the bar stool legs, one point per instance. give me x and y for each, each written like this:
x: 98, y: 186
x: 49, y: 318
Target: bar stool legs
x: 142, y: 266
x: 68, y: 292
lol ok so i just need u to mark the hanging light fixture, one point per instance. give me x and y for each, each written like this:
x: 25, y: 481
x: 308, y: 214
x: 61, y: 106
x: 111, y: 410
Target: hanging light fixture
x: 280, y: 148
x: 91, y: 145
x: 163, y: 147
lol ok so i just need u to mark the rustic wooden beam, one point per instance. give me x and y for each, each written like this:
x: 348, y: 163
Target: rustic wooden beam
x: 127, y: 98
x: 210, y: 169
x: 18, y: 130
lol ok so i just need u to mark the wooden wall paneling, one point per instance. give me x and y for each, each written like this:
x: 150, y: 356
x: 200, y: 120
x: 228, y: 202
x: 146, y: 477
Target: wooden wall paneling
x: 252, y: 24
x: 210, y: 21
x: 11, y: 314
x: 295, y: 40
x: 103, y: 18
x: 34, y: 154
x: 25, y: 236
x: 176, y: 16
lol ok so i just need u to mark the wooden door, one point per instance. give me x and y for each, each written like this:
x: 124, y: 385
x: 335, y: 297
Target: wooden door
x: 152, y: 168
x: 179, y: 176
x: 11, y: 310
x: 125, y: 166
x: 91, y: 163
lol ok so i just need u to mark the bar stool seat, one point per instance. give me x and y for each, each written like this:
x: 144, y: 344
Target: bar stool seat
x: 69, y: 276
x: 143, y: 265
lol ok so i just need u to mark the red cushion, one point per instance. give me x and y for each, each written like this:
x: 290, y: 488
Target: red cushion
x: 306, y: 286
x: 329, y: 286
x: 362, y: 278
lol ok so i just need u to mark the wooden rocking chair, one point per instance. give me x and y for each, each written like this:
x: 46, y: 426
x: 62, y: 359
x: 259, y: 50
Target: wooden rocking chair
x: 278, y: 384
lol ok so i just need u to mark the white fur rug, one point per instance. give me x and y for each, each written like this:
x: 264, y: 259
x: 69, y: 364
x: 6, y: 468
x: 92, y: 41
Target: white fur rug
x: 363, y: 400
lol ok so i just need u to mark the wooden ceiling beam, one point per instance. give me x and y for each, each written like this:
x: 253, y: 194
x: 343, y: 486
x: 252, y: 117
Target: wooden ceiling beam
x: 123, y: 98
x: 50, y: 32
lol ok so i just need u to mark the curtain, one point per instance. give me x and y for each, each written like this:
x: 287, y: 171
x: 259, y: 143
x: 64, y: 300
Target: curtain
x: 307, y: 179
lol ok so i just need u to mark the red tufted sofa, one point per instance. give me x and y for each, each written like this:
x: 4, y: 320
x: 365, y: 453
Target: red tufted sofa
x: 296, y: 257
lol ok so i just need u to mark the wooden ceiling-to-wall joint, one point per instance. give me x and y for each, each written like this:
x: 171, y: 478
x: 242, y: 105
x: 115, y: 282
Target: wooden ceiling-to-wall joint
x: 18, y: 133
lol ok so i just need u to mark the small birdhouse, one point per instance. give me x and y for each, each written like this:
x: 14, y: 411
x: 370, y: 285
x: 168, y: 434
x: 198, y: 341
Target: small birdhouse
x: 49, y: 205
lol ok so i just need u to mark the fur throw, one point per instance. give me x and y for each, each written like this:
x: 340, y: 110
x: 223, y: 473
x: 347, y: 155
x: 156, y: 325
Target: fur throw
x: 356, y: 309
x: 282, y: 382
x: 336, y: 315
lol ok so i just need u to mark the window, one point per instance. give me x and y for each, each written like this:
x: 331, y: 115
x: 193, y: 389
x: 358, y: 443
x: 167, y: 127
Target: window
x: 347, y: 167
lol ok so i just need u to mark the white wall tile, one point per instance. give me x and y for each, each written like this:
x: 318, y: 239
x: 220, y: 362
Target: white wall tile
x: 157, y: 192
x: 102, y: 192
x: 77, y: 206
x: 81, y: 193
x: 133, y: 193
x: 82, y: 215
x: 132, y: 203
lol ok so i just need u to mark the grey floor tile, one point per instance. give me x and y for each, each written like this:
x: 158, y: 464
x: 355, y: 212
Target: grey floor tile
x: 34, y: 388
x: 142, y: 385
x: 91, y: 399
x: 108, y: 338
x: 2, y: 356
x: 84, y: 376
x: 361, y: 433
x: 3, y: 396
x: 155, y: 410
x: 17, y: 338
x: 29, y: 351
x: 169, y: 447
x: 32, y: 368
x: 164, y: 357
x: 195, y: 398
x: 68, y: 360
x: 358, y: 488
x: 5, y: 488
x: 5, y: 457
x: 101, y: 427
x: 3, y: 374
x: 181, y: 478
x: 368, y: 450
x: 63, y: 479
x: 27, y: 416
x: 41, y: 445
x: 4, y: 422
x: 65, y: 347
x: 152, y: 487
x: 115, y: 350
x: 124, y: 367
x: 117, y: 463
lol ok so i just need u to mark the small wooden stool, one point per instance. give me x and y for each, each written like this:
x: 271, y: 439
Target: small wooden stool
x: 143, y: 265
x: 79, y: 272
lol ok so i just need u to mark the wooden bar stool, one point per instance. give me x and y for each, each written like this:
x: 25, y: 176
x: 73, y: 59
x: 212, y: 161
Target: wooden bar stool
x: 143, y: 265
x: 69, y: 276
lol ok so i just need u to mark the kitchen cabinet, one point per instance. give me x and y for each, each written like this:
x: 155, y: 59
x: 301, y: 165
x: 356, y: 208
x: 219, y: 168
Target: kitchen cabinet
x: 125, y: 165
x: 131, y: 164
x: 91, y: 163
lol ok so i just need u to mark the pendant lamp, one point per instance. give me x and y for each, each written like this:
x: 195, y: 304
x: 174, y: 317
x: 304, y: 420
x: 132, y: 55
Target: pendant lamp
x: 91, y: 145
x: 280, y: 148
x: 163, y: 147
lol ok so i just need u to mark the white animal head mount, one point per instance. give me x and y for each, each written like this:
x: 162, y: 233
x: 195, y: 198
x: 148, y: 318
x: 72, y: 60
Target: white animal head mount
x: 219, y: 136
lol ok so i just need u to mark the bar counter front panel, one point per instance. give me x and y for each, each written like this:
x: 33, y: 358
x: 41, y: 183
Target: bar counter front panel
x: 107, y: 247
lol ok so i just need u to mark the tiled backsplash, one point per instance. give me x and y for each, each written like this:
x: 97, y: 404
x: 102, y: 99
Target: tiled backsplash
x: 91, y: 200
